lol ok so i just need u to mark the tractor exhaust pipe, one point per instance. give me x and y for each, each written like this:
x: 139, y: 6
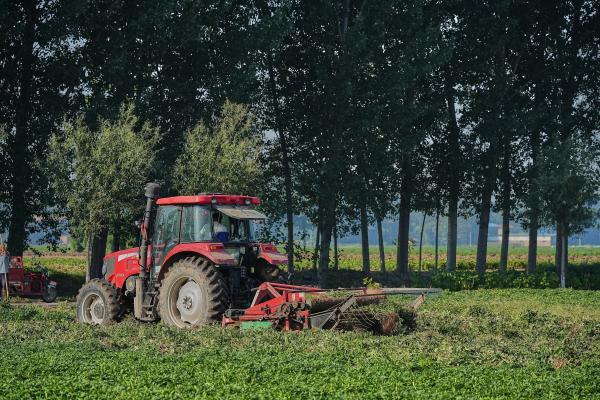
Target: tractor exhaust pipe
x: 152, y: 193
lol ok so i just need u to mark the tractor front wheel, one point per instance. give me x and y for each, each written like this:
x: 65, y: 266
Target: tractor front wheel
x: 192, y: 293
x: 97, y: 303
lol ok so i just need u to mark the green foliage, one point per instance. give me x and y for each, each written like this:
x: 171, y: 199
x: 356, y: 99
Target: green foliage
x: 221, y: 157
x: 478, y: 344
x: 570, y: 184
x: 370, y: 283
x: 99, y: 174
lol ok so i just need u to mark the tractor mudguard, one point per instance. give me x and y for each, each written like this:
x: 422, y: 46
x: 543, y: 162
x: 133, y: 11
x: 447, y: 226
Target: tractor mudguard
x: 120, y: 265
x: 270, y: 254
x: 214, y: 252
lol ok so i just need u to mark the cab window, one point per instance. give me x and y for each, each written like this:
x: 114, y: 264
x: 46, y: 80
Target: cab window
x: 196, y: 224
x: 166, y: 232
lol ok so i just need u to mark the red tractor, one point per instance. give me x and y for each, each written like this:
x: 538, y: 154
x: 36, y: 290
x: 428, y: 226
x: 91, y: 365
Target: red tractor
x: 198, y: 256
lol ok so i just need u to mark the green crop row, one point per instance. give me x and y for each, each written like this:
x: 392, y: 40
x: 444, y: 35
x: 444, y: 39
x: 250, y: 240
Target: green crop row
x: 526, y: 344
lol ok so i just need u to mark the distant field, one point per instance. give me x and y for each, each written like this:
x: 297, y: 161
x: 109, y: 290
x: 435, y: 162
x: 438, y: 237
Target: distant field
x: 69, y: 268
x: 351, y: 257
x: 528, y: 344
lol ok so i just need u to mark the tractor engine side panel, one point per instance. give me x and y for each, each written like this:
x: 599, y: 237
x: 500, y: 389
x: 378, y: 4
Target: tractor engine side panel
x: 120, y: 265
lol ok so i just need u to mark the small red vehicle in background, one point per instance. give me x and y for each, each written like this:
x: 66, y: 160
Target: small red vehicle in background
x: 25, y: 283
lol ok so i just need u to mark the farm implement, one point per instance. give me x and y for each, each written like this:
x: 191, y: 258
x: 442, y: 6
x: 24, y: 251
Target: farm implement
x: 289, y: 307
x: 18, y: 281
x: 199, y: 263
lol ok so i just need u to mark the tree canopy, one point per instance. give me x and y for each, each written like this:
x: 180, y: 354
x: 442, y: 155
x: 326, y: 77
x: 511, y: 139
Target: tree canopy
x: 346, y: 112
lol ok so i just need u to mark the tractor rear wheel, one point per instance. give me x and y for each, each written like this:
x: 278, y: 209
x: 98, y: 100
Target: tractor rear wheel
x: 97, y: 303
x: 192, y: 293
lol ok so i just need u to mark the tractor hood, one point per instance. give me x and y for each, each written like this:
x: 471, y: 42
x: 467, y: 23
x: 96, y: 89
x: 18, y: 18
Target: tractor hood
x: 241, y: 212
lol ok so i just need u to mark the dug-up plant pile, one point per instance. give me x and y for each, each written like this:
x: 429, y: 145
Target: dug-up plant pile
x: 374, y: 313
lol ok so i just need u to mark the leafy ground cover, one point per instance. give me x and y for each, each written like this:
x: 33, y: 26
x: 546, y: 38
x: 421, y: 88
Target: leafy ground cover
x: 515, y: 343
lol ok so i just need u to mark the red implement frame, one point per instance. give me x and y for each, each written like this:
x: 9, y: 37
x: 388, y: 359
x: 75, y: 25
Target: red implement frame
x: 278, y: 303
x: 286, y: 308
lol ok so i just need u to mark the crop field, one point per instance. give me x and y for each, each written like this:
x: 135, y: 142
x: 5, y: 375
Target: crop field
x: 485, y: 343
x: 472, y: 344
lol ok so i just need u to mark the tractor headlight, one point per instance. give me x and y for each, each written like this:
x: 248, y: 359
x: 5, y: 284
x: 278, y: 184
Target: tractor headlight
x: 130, y: 284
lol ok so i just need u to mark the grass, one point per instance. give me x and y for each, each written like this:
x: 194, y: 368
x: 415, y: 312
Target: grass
x: 472, y: 344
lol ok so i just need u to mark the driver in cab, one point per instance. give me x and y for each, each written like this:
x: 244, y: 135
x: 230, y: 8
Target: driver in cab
x: 220, y: 231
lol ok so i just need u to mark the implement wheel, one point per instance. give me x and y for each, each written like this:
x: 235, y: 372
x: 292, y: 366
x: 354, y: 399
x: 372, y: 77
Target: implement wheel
x: 97, y: 303
x: 192, y: 293
x: 50, y: 295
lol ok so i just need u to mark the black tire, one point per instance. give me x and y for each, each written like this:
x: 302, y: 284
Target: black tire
x: 98, y: 303
x: 193, y: 293
x: 50, y: 294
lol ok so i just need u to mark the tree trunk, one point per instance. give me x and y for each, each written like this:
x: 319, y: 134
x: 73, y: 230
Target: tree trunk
x: 336, y: 257
x: 437, y: 239
x: 97, y: 252
x: 454, y: 167
x: 328, y: 220
x: 484, y: 221
x: 324, y: 259
x: 316, y: 252
x: 286, y: 169
x: 532, y: 246
x: 558, y: 250
x: 540, y: 95
x: 421, y: 241
x: 489, y: 177
x: 505, y: 237
x: 452, y: 234
x: 564, y: 259
x: 18, y: 147
x: 403, y: 232
x: 290, y: 228
x: 116, y: 239
x: 381, y: 246
x: 506, y: 195
x: 364, y: 236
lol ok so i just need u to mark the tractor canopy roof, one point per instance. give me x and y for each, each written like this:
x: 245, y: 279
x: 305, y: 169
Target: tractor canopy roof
x: 210, y: 198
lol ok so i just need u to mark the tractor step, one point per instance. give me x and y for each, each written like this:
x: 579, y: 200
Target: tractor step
x: 256, y: 325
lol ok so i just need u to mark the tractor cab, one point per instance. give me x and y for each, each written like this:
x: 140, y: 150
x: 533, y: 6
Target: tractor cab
x: 228, y: 223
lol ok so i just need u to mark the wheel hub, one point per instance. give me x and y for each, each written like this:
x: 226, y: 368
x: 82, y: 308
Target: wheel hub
x: 95, y: 311
x: 189, y: 302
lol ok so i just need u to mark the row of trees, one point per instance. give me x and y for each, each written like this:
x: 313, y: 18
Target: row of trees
x: 371, y: 109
